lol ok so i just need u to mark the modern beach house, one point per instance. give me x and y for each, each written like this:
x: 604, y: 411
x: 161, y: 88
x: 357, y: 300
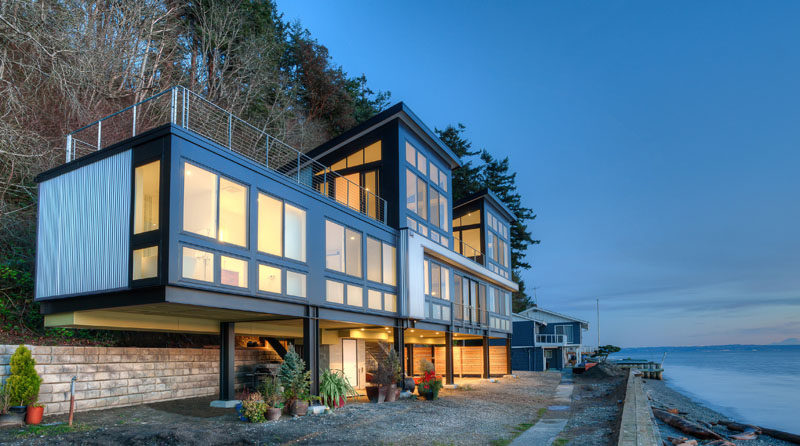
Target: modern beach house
x: 544, y: 340
x: 173, y: 215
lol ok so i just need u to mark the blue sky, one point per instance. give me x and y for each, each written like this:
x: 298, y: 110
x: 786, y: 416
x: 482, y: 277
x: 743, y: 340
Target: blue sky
x: 657, y: 142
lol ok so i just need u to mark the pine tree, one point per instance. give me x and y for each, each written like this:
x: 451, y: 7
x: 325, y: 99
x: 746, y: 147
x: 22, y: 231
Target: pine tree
x: 466, y: 179
x: 22, y: 386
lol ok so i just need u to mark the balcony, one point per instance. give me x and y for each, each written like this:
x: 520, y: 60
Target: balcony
x: 188, y: 110
x: 551, y: 340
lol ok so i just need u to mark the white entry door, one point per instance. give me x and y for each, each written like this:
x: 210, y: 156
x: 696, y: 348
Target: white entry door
x: 350, y: 361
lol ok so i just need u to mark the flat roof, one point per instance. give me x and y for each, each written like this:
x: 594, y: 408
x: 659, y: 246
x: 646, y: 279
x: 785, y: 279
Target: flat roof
x: 486, y: 194
x: 405, y: 114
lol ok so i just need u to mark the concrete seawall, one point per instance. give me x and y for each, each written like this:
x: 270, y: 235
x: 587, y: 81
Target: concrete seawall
x: 637, y: 427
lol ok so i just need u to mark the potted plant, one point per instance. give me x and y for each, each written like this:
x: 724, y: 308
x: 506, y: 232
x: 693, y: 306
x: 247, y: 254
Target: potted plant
x: 334, y: 388
x: 34, y: 413
x: 430, y: 384
x: 6, y: 418
x: 254, y: 408
x: 296, y: 381
x: 22, y: 386
x: 387, y: 376
x: 271, y: 391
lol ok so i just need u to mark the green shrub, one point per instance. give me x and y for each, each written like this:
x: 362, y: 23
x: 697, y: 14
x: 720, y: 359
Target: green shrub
x: 23, y: 384
x: 388, y: 372
x: 254, y: 408
x: 333, y: 385
x: 295, y: 378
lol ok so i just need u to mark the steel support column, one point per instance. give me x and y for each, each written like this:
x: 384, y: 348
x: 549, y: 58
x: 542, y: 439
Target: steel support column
x: 311, y: 338
x: 448, y: 355
x: 410, y: 356
x: 399, y: 343
x: 227, y: 354
x: 508, y: 355
x: 486, y: 356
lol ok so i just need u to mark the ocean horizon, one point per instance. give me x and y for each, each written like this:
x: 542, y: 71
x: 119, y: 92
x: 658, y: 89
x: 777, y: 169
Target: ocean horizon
x: 753, y: 384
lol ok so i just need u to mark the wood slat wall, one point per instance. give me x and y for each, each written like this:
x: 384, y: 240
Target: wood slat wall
x: 467, y: 361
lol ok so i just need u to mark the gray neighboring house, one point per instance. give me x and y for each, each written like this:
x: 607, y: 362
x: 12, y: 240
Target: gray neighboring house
x: 543, y: 339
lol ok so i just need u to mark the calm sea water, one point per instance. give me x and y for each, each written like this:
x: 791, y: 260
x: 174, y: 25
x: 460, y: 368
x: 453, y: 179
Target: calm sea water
x: 756, y: 384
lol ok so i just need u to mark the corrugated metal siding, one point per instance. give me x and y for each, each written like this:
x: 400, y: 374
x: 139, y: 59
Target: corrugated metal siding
x: 84, y: 225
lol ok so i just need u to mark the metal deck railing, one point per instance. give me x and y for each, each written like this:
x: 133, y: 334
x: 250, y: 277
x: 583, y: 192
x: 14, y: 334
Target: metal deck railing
x: 191, y: 111
x: 468, y: 251
x: 551, y: 339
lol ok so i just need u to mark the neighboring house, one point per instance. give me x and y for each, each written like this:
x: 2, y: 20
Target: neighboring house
x: 544, y: 340
x: 187, y: 219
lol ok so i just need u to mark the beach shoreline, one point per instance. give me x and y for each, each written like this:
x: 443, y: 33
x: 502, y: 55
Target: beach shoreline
x: 662, y: 395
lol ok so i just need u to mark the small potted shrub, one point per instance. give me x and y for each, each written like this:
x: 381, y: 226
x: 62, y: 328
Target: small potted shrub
x: 22, y: 386
x: 271, y: 391
x: 254, y: 408
x: 334, y: 388
x: 296, y: 381
x: 430, y: 384
x: 387, y: 376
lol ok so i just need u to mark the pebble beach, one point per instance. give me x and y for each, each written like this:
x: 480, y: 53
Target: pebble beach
x: 663, y: 396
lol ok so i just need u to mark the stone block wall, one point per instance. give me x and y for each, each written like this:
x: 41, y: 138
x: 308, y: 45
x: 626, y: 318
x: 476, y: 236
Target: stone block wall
x: 124, y: 376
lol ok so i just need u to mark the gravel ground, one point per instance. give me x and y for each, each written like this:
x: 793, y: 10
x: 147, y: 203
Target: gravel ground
x: 595, y: 411
x: 663, y: 396
x: 485, y: 413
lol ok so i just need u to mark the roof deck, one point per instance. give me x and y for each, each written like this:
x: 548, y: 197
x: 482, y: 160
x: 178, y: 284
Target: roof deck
x: 184, y: 108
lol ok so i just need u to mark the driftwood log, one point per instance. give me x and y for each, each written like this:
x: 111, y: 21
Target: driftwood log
x: 686, y: 426
x: 780, y: 435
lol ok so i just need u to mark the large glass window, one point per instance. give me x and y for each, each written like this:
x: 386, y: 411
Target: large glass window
x: 389, y: 265
x: 334, y: 246
x: 411, y: 191
x: 445, y: 283
x: 232, y: 212
x: 295, y: 284
x: 269, y: 279
x: 342, y: 249
x: 443, y: 211
x: 422, y: 163
x: 411, y: 154
x: 145, y: 263
x: 436, y: 277
x: 352, y: 255
x: 198, y: 265
x: 373, y: 260
x: 443, y: 180
x: 199, y: 201
x: 295, y: 233
x: 233, y: 272
x: 146, y: 190
x: 435, y: 207
x: 334, y: 291
x: 422, y: 200
x: 355, y: 296
x: 270, y: 225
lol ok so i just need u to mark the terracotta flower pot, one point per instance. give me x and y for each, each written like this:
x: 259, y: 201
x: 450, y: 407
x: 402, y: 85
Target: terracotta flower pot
x: 300, y: 408
x: 34, y: 414
x: 273, y: 413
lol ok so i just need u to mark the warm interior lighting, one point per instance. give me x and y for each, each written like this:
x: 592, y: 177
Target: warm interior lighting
x: 412, y: 330
x: 362, y: 329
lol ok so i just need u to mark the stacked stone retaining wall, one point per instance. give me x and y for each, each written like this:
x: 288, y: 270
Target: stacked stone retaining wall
x: 124, y: 376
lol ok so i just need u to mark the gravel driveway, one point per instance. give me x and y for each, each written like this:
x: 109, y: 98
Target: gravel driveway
x: 482, y: 413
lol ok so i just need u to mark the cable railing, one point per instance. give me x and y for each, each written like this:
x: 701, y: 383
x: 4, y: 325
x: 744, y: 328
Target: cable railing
x: 469, y: 315
x: 191, y: 111
x: 467, y: 251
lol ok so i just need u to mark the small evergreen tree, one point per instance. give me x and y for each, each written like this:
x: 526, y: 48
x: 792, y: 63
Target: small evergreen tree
x: 294, y: 377
x: 23, y: 384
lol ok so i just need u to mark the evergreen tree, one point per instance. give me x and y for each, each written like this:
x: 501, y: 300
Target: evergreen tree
x: 466, y: 179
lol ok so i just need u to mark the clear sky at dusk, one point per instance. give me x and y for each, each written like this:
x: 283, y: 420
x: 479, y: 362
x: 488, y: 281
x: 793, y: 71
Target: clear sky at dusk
x: 659, y: 144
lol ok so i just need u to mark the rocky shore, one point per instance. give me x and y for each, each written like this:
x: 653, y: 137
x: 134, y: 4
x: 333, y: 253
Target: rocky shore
x: 663, y: 396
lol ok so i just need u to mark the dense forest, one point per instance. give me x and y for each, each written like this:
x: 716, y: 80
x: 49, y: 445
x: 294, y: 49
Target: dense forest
x: 64, y: 64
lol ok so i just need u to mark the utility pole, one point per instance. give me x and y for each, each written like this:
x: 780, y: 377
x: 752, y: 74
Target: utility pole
x: 598, y: 325
x: 535, y: 297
